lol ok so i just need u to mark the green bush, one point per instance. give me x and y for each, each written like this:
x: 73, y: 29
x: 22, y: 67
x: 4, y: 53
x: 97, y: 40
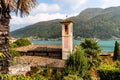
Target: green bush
x: 117, y: 64
x: 21, y: 42
x: 22, y: 77
x: 18, y: 43
x: 72, y: 77
x: 109, y: 72
x: 107, y: 67
x: 13, y: 52
x: 77, y: 63
x: 13, y: 45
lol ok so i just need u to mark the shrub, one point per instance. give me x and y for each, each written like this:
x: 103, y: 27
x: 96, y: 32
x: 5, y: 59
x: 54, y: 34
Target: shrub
x: 22, y: 42
x: 109, y: 72
x: 92, y: 51
x: 22, y: 77
x: 117, y: 64
x: 77, y: 63
x: 72, y: 77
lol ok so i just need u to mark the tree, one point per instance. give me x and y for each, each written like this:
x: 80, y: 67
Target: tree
x: 22, y: 42
x: 92, y: 51
x: 77, y: 63
x: 116, y: 51
x: 7, y: 6
x: 18, y: 43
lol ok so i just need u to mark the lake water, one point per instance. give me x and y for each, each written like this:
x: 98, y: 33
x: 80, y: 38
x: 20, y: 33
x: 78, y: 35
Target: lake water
x: 105, y: 45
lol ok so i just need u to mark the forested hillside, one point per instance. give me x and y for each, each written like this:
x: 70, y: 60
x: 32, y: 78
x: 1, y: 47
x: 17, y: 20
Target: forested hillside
x: 90, y: 23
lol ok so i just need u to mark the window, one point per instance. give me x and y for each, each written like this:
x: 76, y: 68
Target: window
x: 66, y: 29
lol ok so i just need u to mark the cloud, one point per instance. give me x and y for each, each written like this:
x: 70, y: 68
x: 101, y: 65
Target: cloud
x: 72, y: 4
x: 77, y: 3
x: 36, y: 18
x: 109, y: 3
x: 42, y: 12
x: 43, y: 7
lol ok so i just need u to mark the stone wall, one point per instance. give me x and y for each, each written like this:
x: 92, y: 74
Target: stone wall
x: 19, y: 69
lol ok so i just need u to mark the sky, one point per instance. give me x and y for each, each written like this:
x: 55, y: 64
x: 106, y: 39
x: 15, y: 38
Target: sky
x: 58, y: 9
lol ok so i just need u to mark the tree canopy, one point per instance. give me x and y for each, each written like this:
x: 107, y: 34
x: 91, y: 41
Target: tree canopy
x: 116, y: 51
x: 21, y: 42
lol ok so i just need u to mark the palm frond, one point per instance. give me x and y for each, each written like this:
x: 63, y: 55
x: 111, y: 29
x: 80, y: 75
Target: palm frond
x: 21, y: 6
x: 2, y: 56
x: 13, y: 5
x: 24, y: 6
x: 6, y: 3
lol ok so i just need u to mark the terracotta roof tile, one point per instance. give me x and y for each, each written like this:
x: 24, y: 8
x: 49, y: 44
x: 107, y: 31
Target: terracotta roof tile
x: 40, y: 61
x: 37, y: 47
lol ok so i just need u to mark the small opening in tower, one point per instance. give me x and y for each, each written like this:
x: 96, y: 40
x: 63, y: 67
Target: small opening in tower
x: 66, y: 29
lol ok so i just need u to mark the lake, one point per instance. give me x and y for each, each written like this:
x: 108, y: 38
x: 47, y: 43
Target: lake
x: 105, y: 45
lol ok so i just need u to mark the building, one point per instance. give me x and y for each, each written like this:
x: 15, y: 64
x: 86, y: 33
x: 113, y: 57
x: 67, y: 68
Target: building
x: 44, y: 50
x: 53, y: 51
x: 67, y: 38
x: 50, y: 55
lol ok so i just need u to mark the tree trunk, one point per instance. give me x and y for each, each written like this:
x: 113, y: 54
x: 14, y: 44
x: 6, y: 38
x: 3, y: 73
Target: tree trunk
x: 4, y: 44
x: 4, y: 37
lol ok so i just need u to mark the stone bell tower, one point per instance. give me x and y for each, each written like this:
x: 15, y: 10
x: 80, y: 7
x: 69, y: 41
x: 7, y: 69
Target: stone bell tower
x: 67, y: 38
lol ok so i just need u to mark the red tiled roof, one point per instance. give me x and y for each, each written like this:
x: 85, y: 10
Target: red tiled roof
x: 40, y: 61
x: 37, y: 47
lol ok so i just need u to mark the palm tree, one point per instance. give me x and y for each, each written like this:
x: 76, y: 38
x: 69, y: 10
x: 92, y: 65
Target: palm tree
x: 21, y: 7
x: 92, y: 51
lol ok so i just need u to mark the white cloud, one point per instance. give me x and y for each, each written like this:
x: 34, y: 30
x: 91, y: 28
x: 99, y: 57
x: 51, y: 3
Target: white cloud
x: 37, y: 18
x: 109, y: 3
x: 43, y: 7
x: 77, y: 3
x: 73, y: 4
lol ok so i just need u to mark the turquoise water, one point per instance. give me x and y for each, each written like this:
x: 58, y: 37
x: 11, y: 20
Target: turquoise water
x: 105, y: 45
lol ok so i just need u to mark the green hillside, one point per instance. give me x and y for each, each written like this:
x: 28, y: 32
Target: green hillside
x: 90, y: 23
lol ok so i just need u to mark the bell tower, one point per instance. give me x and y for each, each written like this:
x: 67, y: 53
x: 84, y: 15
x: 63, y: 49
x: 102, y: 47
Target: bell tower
x: 67, y: 38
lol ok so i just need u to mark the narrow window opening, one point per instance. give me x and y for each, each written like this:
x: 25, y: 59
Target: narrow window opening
x: 66, y: 29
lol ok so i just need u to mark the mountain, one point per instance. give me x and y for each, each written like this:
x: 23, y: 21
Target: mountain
x: 90, y: 23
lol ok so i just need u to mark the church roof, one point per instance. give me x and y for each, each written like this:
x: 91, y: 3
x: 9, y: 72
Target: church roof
x: 40, y: 47
x: 66, y: 21
x: 40, y: 61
